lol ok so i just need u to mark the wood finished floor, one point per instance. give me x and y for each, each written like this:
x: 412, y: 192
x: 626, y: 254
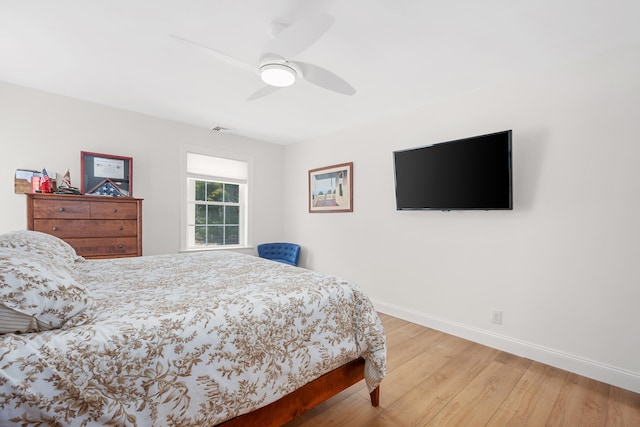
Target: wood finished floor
x: 435, y: 379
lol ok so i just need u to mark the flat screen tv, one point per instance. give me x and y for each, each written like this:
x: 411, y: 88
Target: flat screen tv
x: 465, y: 174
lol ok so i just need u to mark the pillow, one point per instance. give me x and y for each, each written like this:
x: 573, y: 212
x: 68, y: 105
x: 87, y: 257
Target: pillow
x: 42, y: 244
x: 37, y: 287
x: 15, y: 321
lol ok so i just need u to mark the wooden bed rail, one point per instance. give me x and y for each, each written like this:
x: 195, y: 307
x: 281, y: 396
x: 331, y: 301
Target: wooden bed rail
x: 306, y: 397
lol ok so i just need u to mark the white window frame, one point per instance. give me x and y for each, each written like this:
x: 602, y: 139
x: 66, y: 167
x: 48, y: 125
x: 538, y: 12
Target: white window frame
x: 186, y: 243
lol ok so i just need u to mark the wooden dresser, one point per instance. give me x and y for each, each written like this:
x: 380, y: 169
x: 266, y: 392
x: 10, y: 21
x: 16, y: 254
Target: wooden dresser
x: 96, y: 226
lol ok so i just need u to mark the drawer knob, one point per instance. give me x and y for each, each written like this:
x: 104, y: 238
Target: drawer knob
x: 61, y: 209
x: 121, y: 228
x: 55, y: 228
x: 120, y: 246
x: 115, y: 210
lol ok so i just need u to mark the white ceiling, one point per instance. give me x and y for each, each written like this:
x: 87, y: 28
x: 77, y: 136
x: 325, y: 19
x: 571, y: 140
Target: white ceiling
x: 398, y: 54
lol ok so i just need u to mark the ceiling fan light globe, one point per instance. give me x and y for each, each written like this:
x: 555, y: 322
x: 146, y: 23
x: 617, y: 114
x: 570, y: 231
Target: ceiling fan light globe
x: 278, y: 75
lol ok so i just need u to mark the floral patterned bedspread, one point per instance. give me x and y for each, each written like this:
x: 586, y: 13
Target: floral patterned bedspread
x: 187, y: 340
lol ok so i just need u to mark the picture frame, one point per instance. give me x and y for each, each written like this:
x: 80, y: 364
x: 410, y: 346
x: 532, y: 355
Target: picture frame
x: 331, y: 188
x: 98, y: 169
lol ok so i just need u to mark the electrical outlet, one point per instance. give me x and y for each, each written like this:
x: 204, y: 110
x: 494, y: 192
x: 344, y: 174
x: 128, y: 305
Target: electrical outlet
x: 496, y: 317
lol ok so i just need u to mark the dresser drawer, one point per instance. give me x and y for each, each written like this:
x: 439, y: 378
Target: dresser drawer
x: 44, y: 208
x: 82, y: 228
x: 114, y: 210
x: 106, y: 247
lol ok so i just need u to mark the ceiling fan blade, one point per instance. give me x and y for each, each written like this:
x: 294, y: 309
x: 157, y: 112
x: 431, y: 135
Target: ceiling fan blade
x: 223, y: 57
x: 325, y: 78
x: 263, y: 91
x: 300, y: 35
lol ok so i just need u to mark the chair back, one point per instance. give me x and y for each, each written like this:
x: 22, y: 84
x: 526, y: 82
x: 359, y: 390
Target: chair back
x: 287, y: 253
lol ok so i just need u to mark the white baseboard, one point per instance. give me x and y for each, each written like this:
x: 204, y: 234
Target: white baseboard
x: 568, y: 362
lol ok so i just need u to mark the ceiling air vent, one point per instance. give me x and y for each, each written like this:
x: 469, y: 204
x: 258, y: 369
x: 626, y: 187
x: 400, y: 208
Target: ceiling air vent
x: 221, y: 129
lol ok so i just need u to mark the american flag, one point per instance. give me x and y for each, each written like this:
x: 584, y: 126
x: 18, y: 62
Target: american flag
x: 45, y: 176
x: 45, y: 182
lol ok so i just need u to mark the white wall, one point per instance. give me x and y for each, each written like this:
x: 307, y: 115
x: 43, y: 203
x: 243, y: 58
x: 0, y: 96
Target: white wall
x: 562, y: 266
x: 39, y: 129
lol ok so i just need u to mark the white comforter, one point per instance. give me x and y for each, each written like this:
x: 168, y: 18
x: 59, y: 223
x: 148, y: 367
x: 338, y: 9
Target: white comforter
x: 189, y: 339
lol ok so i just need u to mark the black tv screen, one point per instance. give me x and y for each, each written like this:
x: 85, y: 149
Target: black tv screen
x: 470, y: 173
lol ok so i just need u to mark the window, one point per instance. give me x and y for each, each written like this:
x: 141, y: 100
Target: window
x: 216, y: 202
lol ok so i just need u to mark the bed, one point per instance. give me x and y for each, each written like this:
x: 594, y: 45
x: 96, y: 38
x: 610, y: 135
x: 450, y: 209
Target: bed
x: 193, y: 339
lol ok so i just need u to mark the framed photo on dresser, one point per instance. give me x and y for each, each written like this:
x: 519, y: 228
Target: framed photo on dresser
x: 106, y: 170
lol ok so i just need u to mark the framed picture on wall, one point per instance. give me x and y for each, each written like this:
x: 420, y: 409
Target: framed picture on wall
x: 106, y: 174
x: 331, y: 188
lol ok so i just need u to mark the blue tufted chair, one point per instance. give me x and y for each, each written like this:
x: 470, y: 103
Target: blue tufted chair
x: 287, y: 253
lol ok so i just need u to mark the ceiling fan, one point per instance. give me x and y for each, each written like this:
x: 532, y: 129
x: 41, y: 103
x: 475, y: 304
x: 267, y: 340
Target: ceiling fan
x: 275, y: 67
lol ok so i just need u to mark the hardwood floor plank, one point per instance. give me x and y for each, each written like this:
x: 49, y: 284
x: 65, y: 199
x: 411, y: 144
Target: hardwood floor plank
x: 435, y: 379
x: 624, y: 408
x: 543, y: 380
x: 391, y: 323
x: 421, y: 403
x: 414, y: 371
x: 406, y: 333
x: 522, y: 409
x: 485, y: 393
x: 424, y: 344
x: 533, y: 398
x: 581, y: 402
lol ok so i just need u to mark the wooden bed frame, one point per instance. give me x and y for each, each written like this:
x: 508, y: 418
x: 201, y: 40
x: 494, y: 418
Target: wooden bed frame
x: 306, y: 397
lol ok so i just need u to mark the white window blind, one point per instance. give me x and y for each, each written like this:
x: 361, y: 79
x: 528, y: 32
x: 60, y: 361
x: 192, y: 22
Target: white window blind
x: 220, y: 167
